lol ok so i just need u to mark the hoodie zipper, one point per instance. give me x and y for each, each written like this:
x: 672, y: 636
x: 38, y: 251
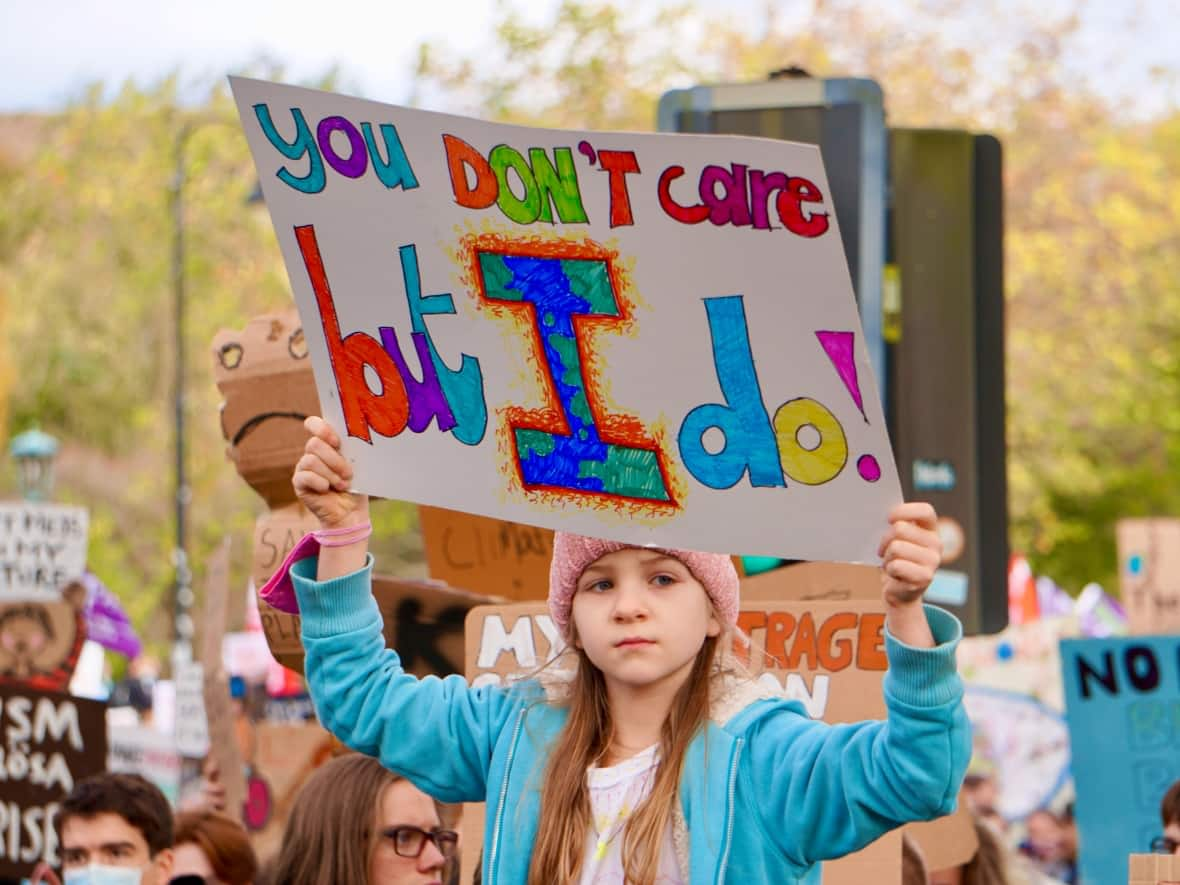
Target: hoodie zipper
x: 492, y: 869
x: 733, y: 765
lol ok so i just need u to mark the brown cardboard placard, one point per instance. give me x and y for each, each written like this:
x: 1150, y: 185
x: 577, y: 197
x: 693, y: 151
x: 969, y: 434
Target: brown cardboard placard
x: 40, y: 640
x: 491, y: 556
x: 218, y: 708
x: 504, y: 560
x: 1153, y: 869
x: 266, y: 379
x: 818, y: 581
x: 70, y: 734
x: 276, y: 533
x: 829, y: 655
x: 281, y: 757
x: 1149, y: 574
x: 423, y: 621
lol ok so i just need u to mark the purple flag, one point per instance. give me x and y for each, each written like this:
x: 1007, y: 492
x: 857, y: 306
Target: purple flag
x: 106, y: 622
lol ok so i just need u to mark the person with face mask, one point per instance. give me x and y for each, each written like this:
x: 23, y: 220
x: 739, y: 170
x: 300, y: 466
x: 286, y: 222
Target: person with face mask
x: 115, y: 829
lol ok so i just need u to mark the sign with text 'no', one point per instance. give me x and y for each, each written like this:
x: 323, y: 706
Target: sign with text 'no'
x: 645, y: 337
x: 1122, y: 704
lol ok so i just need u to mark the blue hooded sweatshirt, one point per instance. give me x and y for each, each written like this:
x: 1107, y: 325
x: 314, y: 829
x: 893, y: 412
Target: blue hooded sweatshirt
x: 765, y: 794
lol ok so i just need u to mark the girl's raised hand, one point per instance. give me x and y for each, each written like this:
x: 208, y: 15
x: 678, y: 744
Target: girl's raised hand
x: 910, y: 552
x: 322, y: 479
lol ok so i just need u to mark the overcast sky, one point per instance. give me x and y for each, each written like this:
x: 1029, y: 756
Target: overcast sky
x: 50, y: 52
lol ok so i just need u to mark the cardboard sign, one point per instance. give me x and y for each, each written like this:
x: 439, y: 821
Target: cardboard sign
x: 50, y: 742
x: 217, y: 710
x: 40, y: 640
x: 1149, y: 574
x: 814, y: 582
x: 490, y: 556
x: 829, y: 656
x: 548, y: 312
x: 276, y: 532
x: 281, y: 759
x: 42, y: 548
x: 1154, y: 869
x: 423, y: 621
x: 1122, y: 703
x: 266, y: 379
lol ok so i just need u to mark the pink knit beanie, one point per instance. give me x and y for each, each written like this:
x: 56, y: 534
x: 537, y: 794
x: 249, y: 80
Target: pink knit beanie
x: 573, y: 554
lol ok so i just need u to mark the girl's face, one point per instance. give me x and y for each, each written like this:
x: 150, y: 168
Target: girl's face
x: 641, y: 617
x: 404, y: 805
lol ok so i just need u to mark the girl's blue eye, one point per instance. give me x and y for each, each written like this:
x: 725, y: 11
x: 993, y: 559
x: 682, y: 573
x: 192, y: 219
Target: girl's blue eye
x: 663, y: 580
x: 599, y: 586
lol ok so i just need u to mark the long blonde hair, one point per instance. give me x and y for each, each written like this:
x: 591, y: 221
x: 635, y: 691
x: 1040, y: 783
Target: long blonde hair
x: 565, y: 798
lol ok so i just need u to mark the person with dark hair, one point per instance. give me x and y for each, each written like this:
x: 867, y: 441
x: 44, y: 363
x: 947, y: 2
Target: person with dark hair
x: 1169, y: 842
x: 212, y: 849
x: 115, y: 829
x: 357, y: 822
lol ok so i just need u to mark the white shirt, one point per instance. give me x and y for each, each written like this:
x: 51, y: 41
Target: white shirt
x: 614, y: 793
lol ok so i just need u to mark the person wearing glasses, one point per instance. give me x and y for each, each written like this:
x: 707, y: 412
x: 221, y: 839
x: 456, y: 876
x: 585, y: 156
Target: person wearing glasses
x: 355, y: 821
x: 1169, y: 842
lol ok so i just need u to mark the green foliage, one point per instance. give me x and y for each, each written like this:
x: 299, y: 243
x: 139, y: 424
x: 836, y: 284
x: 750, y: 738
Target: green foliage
x: 85, y: 280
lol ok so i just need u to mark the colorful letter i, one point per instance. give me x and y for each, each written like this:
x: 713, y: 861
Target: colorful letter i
x: 575, y: 457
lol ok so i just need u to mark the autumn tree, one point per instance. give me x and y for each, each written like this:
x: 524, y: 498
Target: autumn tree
x: 89, y: 324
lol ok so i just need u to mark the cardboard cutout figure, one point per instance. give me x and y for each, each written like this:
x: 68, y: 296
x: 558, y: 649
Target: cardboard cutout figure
x: 40, y: 640
x: 266, y: 379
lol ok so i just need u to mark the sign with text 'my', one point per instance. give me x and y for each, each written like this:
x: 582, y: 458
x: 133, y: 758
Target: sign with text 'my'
x: 1122, y: 704
x: 637, y: 336
x: 828, y: 655
x: 42, y: 548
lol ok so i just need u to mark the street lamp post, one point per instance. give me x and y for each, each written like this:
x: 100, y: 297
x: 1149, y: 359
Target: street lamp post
x: 182, y: 650
x: 34, y: 452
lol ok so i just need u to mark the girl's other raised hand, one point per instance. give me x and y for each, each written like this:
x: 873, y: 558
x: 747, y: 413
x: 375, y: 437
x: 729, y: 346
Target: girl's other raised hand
x: 323, y: 477
x: 910, y: 552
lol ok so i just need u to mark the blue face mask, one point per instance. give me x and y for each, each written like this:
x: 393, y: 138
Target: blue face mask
x: 101, y: 874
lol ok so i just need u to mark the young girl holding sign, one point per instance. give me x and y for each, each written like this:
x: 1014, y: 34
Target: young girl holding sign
x: 656, y: 764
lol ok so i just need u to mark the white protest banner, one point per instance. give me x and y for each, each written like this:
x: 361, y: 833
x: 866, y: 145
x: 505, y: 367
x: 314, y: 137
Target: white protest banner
x: 192, y: 725
x: 42, y: 548
x: 647, y: 337
x: 138, y: 749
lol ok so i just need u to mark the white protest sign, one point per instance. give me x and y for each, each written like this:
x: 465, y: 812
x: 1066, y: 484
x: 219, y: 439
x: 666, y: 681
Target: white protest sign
x: 137, y: 749
x: 192, y: 727
x: 42, y: 547
x: 646, y: 337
